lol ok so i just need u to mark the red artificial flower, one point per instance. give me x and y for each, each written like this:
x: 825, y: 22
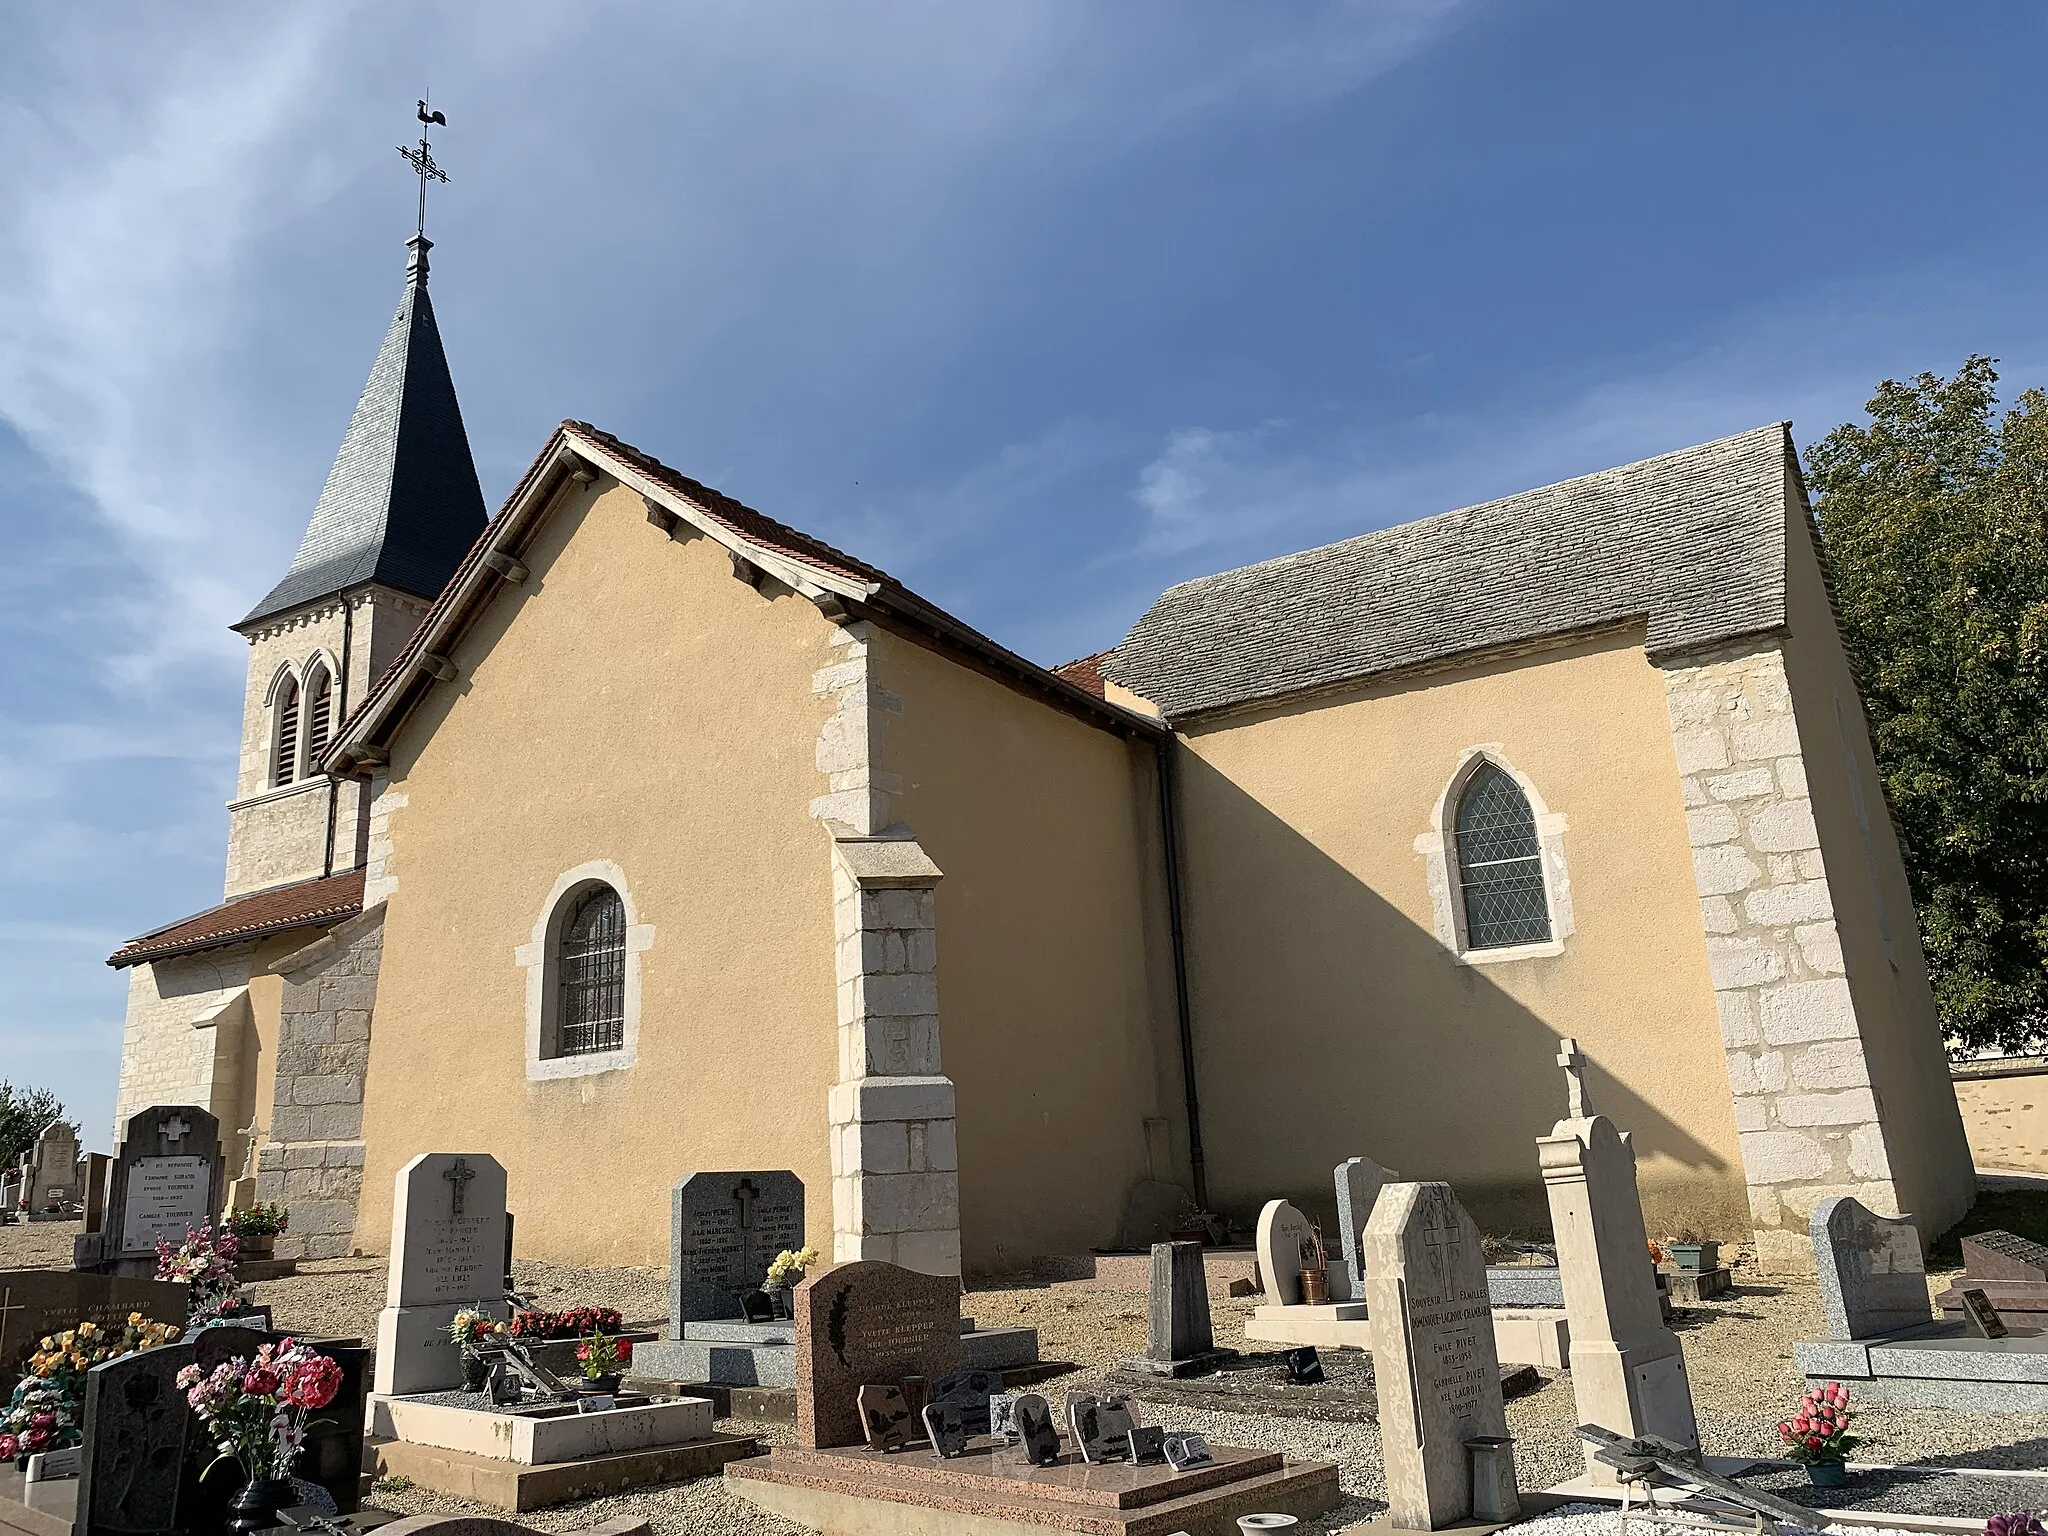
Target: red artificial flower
x: 260, y: 1382
x: 9, y: 1447
x: 625, y: 1349
x: 1814, y: 1442
x: 313, y: 1384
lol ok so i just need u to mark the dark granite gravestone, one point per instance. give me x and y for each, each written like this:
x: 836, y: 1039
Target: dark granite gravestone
x: 969, y: 1391
x: 1034, y: 1424
x: 1148, y: 1445
x: 1101, y: 1425
x: 1184, y: 1451
x: 2004, y: 1256
x: 1981, y: 1317
x: 946, y: 1428
x: 1180, y: 1338
x: 867, y: 1323
x: 1305, y: 1366
x: 885, y: 1417
x: 167, y: 1178
x: 725, y: 1230
x: 35, y: 1303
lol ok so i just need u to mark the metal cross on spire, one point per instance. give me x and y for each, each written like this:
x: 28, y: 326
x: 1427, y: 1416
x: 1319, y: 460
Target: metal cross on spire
x: 421, y: 158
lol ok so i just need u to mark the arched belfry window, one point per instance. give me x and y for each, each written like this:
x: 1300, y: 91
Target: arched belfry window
x: 591, y: 1008
x: 319, y: 715
x: 284, y: 757
x: 1500, y: 864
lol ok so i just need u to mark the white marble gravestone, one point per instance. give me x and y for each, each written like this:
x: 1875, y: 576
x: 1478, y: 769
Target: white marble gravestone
x: 1434, y: 1364
x: 447, y: 1252
x: 1283, y: 1232
x: 1628, y: 1369
x: 1359, y: 1181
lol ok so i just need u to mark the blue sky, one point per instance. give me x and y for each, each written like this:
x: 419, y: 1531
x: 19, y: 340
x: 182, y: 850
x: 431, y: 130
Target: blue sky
x: 1043, y: 306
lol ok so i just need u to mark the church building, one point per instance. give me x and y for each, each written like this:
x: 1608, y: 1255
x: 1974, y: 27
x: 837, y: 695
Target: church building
x: 629, y: 833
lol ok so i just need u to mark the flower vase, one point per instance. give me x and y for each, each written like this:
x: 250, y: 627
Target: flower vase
x: 779, y: 1299
x: 1828, y: 1474
x: 1315, y: 1287
x: 255, y: 1507
x: 475, y: 1371
x: 606, y: 1385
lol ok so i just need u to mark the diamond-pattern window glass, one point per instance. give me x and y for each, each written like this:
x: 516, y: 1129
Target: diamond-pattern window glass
x: 1500, y: 864
x: 592, y: 1013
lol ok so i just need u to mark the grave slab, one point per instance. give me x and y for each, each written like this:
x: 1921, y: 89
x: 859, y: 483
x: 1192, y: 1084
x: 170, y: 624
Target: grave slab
x: 1936, y: 1365
x: 465, y: 1421
x: 1525, y: 1285
x: 508, y: 1485
x: 1538, y: 1336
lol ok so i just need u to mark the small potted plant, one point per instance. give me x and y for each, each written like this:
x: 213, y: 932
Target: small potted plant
x: 256, y: 1229
x: 785, y: 1274
x: 603, y: 1358
x: 476, y: 1333
x: 1315, y: 1268
x: 1692, y: 1254
x: 1817, y: 1436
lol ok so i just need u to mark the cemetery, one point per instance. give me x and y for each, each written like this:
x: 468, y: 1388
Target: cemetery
x: 1392, y: 1377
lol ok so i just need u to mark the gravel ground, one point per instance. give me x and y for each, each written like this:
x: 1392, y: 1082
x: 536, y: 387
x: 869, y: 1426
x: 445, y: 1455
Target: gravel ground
x: 1738, y: 1350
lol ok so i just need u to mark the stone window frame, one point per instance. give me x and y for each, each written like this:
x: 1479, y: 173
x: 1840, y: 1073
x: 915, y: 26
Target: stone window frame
x: 320, y: 661
x: 539, y: 959
x: 1438, y: 847
x: 286, y: 676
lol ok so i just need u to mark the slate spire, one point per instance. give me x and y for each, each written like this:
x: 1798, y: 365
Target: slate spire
x: 402, y: 504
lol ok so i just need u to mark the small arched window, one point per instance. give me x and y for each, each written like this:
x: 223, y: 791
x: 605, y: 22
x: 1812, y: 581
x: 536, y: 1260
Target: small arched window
x: 591, y: 965
x: 284, y: 757
x: 1500, y: 864
x: 319, y: 715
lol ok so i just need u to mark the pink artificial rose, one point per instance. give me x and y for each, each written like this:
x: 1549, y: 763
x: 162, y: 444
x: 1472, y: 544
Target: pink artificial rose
x: 1814, y: 1442
x: 313, y: 1384
x: 188, y: 1376
x: 9, y: 1447
x: 34, y: 1440
x: 44, y: 1420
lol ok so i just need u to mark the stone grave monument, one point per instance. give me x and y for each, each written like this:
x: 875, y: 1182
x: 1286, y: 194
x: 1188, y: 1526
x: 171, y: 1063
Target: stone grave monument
x: 868, y: 1323
x: 1359, y: 1180
x: 1180, y: 1339
x: 2010, y: 1270
x: 51, y: 1188
x: 165, y: 1180
x: 1628, y: 1369
x: 1434, y: 1365
x: 1285, y: 1243
x: 447, y: 1252
x: 1884, y: 1342
x: 35, y: 1303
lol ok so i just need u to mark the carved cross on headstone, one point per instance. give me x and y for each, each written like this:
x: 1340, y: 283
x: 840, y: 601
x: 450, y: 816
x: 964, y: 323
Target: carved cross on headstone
x: 1574, y: 1063
x: 1441, y: 1242
x: 173, y: 1129
x: 458, y: 1175
x: 746, y: 1194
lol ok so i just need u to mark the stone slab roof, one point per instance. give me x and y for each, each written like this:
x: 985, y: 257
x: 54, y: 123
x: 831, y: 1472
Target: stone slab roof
x: 307, y: 904
x: 402, y: 504
x: 1693, y: 542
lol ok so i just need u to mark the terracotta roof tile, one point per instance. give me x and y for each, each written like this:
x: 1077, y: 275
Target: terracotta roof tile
x: 307, y: 904
x: 1084, y: 672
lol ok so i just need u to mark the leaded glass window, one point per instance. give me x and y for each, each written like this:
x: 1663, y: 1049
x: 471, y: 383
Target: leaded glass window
x: 1500, y: 864
x: 592, y: 1000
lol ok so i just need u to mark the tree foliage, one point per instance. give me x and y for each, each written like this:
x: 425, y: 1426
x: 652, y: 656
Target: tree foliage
x: 24, y: 1113
x: 1934, y: 514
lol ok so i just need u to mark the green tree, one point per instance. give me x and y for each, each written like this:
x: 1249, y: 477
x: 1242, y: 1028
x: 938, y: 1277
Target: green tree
x: 24, y: 1112
x: 1934, y: 514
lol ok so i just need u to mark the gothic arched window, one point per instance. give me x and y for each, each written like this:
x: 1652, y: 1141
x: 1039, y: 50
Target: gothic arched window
x: 319, y: 714
x: 591, y: 967
x: 284, y: 756
x: 1500, y: 864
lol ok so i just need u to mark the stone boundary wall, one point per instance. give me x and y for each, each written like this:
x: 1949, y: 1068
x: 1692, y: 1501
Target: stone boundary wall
x: 312, y: 1157
x: 1804, y: 1105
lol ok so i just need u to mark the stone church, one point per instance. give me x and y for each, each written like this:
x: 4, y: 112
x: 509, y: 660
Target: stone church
x: 630, y: 832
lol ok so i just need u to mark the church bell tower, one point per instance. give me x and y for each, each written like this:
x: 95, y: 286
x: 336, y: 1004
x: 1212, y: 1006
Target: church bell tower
x: 400, y: 508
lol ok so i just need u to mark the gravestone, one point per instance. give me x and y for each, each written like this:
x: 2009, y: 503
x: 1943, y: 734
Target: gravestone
x: 1628, y: 1368
x: 969, y: 1391
x: 867, y: 1323
x: 1180, y: 1337
x: 1283, y: 1234
x: 1102, y: 1425
x: 725, y: 1229
x: 1035, y: 1427
x: 1434, y: 1364
x: 1359, y: 1180
x: 2005, y: 1256
x: 447, y: 1252
x: 1872, y: 1280
x: 35, y: 1303
x: 53, y: 1168
x: 166, y: 1180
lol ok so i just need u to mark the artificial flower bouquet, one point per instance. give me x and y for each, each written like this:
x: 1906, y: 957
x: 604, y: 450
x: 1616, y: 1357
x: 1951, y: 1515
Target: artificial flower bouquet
x: 475, y: 1329
x: 1819, y: 1431
x: 47, y: 1410
x: 576, y: 1323
x: 789, y: 1267
x: 603, y: 1355
x: 206, y: 1263
x: 256, y: 1410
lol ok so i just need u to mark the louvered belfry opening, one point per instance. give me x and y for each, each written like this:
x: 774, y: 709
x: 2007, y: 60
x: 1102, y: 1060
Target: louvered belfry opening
x: 319, y: 715
x: 1500, y: 864
x: 592, y: 1008
x: 284, y: 765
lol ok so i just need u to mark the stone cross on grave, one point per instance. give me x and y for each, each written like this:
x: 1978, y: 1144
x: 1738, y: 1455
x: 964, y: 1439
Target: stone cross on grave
x: 173, y: 1129
x: 1573, y: 1060
x: 746, y: 1194
x: 458, y: 1174
x: 1440, y: 1242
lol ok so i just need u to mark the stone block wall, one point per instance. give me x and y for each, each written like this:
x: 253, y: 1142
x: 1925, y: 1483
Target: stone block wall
x: 169, y: 1047
x: 1805, y: 1109
x: 312, y: 1157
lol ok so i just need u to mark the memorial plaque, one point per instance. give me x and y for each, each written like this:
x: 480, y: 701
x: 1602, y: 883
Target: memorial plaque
x: 35, y: 1303
x: 1434, y: 1364
x: 725, y: 1229
x: 1034, y: 1424
x: 1147, y: 1445
x: 1184, y: 1451
x: 1305, y: 1366
x: 971, y: 1391
x: 2004, y: 1256
x: 1002, y: 1417
x: 946, y: 1429
x: 1101, y: 1425
x: 167, y: 1197
x: 1982, y: 1317
x: 885, y: 1417
x: 866, y: 1323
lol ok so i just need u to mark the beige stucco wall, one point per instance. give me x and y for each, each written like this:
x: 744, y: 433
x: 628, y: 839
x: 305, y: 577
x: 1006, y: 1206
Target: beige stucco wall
x: 1329, y: 1019
x: 1923, y: 1131
x: 2006, y: 1119
x: 1055, y: 986
x: 629, y: 702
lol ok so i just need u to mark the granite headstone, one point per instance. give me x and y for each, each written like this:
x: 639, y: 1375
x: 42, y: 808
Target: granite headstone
x: 54, y: 1169
x: 35, y: 1303
x: 1434, y: 1364
x: 1359, y: 1180
x: 865, y: 1323
x: 1872, y: 1278
x: 725, y: 1229
x: 167, y: 1179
